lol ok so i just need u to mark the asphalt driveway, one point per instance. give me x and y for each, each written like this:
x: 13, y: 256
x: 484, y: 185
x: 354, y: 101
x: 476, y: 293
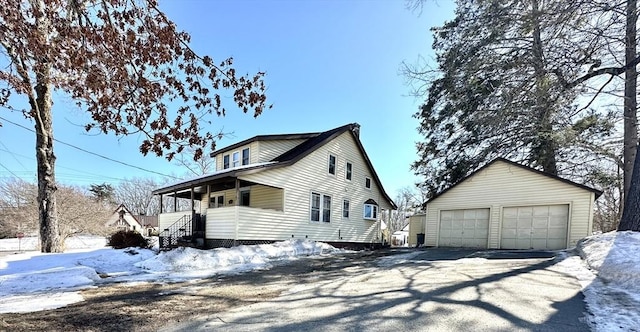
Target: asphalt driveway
x: 433, y: 290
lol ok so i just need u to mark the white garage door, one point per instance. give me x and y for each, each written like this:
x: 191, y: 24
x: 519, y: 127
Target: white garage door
x: 535, y: 227
x: 464, y: 228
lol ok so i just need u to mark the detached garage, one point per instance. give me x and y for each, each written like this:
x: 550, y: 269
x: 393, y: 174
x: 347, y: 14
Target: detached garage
x: 505, y: 205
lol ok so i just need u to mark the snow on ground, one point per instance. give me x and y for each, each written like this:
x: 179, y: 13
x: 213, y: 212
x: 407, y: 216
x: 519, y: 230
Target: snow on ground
x: 609, y: 271
x: 613, y: 295
x: 31, y: 281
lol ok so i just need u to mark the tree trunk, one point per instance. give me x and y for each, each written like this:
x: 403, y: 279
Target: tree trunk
x: 50, y: 240
x: 544, y: 147
x: 630, y: 101
x: 630, y: 220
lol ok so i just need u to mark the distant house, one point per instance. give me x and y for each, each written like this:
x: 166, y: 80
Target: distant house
x: 400, y: 238
x: 506, y: 205
x: 148, y: 223
x: 317, y: 186
x: 123, y: 220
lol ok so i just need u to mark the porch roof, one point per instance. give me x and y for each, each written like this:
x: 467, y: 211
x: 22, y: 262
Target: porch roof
x: 212, y: 177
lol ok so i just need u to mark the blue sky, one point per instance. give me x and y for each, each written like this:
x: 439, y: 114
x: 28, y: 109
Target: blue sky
x: 328, y: 63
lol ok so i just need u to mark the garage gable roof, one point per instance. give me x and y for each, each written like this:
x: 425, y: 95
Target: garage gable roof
x: 549, y: 175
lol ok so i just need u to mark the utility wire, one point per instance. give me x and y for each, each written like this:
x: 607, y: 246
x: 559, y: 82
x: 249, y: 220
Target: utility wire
x: 58, y: 174
x: 8, y: 170
x: 90, y: 152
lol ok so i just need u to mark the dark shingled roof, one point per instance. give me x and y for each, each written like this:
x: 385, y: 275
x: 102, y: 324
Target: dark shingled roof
x: 313, y: 142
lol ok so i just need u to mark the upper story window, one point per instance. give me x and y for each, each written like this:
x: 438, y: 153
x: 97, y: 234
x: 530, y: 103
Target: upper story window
x: 236, y: 159
x: 245, y: 156
x: 367, y: 182
x: 349, y: 171
x: 225, y: 161
x: 332, y: 164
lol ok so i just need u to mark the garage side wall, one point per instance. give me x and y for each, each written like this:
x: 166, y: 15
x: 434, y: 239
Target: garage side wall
x: 503, y: 185
x: 416, y: 226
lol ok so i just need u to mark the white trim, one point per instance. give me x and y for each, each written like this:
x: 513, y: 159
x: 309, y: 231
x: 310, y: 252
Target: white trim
x: 376, y: 212
x: 346, y: 169
x: 321, y: 207
x: 335, y: 164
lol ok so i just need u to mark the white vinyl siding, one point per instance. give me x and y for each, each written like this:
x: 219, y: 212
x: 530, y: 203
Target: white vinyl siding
x: 310, y: 175
x: 502, y: 185
x: 268, y: 150
x: 253, y: 156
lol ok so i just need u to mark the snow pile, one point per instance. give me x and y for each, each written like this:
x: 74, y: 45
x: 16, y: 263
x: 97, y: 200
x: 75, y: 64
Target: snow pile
x: 613, y: 298
x: 615, y: 256
x: 194, y: 262
x: 34, y: 281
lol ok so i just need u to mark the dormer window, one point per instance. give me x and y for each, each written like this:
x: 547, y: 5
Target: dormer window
x: 225, y: 161
x: 332, y: 164
x: 236, y: 159
x: 245, y: 156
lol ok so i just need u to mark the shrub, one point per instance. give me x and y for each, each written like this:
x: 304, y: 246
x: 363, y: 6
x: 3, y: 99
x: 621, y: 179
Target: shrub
x: 127, y: 239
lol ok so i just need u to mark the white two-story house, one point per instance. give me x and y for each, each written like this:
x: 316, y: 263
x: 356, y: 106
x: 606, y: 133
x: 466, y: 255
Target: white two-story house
x: 315, y: 186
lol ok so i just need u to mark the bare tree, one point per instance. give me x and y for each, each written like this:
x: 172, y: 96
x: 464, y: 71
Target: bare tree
x: 78, y: 211
x: 125, y: 63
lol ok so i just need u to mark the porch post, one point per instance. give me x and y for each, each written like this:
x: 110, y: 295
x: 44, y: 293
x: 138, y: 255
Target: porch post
x: 236, y: 208
x: 160, y: 203
x: 193, y: 209
x: 175, y: 201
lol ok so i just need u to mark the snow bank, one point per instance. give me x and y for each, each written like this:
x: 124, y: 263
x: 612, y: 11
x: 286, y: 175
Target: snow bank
x: 240, y: 258
x: 614, y: 256
x: 72, y: 243
x: 613, y: 297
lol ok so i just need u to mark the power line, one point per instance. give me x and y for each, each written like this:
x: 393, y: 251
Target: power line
x: 91, y: 152
x: 8, y: 170
x: 58, y: 174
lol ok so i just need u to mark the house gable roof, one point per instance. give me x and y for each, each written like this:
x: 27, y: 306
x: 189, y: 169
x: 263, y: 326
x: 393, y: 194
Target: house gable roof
x: 549, y: 175
x: 313, y: 142
x: 128, y: 217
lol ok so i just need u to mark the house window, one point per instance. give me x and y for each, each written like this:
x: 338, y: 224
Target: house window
x: 370, y: 211
x: 216, y: 201
x: 225, y: 161
x: 245, y: 156
x: 332, y: 164
x: 236, y: 159
x: 345, y: 208
x: 320, y: 207
x: 326, y: 208
x: 315, y: 207
x: 367, y: 183
x: 349, y: 171
x: 244, y: 197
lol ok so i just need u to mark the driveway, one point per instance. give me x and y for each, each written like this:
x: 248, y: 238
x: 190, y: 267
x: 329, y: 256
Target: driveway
x: 424, y: 290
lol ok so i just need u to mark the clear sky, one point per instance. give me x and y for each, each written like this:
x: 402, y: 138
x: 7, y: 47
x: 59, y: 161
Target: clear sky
x: 328, y: 63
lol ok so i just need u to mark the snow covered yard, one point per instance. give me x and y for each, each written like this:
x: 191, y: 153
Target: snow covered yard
x: 32, y: 281
x: 609, y: 273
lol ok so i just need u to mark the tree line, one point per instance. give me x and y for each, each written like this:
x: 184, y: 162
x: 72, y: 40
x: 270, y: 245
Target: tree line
x: 81, y: 210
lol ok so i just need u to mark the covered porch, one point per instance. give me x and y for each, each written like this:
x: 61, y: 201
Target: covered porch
x: 216, y: 208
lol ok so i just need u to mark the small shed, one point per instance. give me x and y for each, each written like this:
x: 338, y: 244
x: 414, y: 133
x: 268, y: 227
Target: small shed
x: 505, y: 205
x: 417, y: 229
